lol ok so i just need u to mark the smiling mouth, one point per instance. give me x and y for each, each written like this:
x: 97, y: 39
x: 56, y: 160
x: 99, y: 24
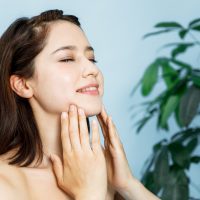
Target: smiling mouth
x: 89, y: 90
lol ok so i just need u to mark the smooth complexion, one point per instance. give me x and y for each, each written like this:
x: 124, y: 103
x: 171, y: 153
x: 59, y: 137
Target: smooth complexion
x: 65, y: 65
x: 59, y: 73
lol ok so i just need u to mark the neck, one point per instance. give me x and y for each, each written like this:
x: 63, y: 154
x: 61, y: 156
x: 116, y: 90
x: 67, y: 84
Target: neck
x: 49, y: 130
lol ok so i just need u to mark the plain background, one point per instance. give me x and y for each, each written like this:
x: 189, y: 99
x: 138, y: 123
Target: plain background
x: 115, y: 29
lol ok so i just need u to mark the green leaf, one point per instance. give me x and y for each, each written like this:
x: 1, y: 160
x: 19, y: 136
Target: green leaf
x: 182, y: 33
x: 150, y: 78
x: 175, y: 192
x: 168, y: 109
x: 178, y: 175
x: 161, y: 169
x: 181, y: 64
x: 179, y: 87
x: 177, y: 187
x: 161, y: 108
x: 168, y: 25
x: 196, y: 78
x: 195, y: 159
x: 157, y: 33
x: 194, y: 22
x: 169, y: 74
x: 177, y: 118
x: 189, y: 104
x: 142, y: 122
x: 177, y: 90
x: 196, y: 28
x: 192, y: 144
x: 148, y: 164
x: 181, y: 48
x: 175, y: 44
x: 149, y: 183
x: 159, y: 145
x: 185, y: 135
x: 180, y: 154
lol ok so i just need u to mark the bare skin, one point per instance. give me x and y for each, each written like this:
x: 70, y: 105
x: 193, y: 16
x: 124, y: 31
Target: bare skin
x: 38, y: 184
x: 34, y: 183
x: 65, y: 70
x: 78, y: 171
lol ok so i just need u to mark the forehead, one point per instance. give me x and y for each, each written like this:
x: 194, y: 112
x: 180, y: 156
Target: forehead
x: 63, y: 33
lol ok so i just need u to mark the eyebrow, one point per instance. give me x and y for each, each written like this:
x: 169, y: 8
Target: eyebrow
x: 71, y: 47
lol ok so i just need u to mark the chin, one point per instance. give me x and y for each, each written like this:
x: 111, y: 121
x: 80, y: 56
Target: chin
x: 92, y: 109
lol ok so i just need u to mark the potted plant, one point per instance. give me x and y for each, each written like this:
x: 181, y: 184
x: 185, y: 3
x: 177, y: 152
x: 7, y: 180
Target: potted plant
x: 165, y: 172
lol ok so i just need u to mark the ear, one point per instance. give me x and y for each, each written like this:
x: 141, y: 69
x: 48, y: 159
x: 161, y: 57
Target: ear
x: 20, y: 86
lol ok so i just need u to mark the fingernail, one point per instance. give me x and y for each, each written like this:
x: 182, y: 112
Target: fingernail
x: 64, y: 115
x: 72, y: 108
x: 81, y: 111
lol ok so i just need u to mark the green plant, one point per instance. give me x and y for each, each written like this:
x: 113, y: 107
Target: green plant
x: 166, y: 170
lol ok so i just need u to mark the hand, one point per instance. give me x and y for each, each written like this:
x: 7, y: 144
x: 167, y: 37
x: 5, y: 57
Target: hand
x: 119, y: 173
x: 82, y: 174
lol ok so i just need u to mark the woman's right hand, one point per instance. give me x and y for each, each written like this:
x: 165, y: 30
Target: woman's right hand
x: 82, y: 174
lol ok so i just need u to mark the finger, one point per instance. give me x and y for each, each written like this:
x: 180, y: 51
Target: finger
x: 102, y: 118
x: 96, y: 144
x: 66, y: 145
x: 104, y: 114
x: 114, y: 139
x: 73, y: 128
x: 104, y: 151
x: 57, y: 168
x: 106, y: 143
x: 114, y: 128
x: 84, y: 135
x: 103, y: 126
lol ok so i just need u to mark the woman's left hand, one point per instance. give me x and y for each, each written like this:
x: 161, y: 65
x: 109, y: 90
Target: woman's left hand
x: 119, y: 173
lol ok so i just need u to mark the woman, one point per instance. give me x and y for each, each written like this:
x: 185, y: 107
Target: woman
x: 50, y: 85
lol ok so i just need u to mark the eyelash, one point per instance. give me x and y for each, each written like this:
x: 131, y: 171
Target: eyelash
x: 70, y: 59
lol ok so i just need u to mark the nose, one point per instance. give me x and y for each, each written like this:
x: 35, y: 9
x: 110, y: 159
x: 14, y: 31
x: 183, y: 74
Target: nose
x: 89, y: 68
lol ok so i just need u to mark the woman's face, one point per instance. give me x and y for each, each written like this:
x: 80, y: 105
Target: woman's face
x: 65, y: 65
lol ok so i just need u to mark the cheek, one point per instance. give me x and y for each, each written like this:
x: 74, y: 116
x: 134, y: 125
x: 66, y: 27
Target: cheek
x: 100, y: 80
x: 55, y: 91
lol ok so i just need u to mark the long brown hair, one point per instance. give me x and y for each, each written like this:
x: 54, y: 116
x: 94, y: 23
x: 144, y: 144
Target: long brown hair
x: 19, y: 45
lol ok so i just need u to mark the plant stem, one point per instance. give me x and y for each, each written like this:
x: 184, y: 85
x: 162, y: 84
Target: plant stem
x: 194, y: 38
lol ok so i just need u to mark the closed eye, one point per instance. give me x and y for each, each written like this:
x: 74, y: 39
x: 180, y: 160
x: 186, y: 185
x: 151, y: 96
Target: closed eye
x: 67, y: 60
x: 93, y: 60
x: 71, y: 60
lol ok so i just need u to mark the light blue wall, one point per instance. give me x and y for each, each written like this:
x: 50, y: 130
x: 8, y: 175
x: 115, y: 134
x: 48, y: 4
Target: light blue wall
x: 115, y: 29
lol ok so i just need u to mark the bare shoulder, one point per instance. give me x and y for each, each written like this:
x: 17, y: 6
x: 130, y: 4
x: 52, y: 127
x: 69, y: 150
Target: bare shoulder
x: 7, y: 190
x: 12, y: 183
x: 11, y: 174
